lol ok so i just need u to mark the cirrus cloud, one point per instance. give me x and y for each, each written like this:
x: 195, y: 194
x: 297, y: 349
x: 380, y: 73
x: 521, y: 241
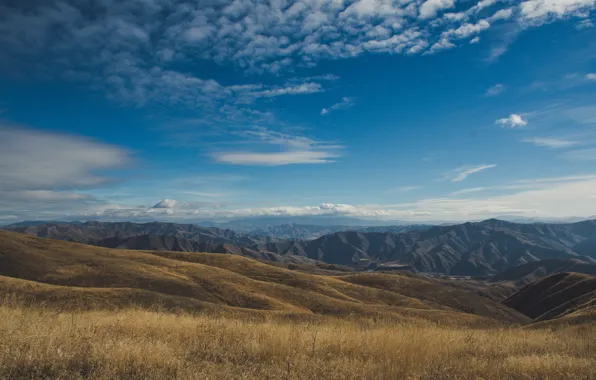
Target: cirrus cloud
x: 289, y: 149
x: 461, y: 173
x: 345, y: 103
x: 551, y: 142
x: 495, y: 90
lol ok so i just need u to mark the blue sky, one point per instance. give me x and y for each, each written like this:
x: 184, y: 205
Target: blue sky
x: 406, y: 110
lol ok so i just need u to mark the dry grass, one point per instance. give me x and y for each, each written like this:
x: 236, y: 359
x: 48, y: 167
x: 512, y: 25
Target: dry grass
x: 139, y: 344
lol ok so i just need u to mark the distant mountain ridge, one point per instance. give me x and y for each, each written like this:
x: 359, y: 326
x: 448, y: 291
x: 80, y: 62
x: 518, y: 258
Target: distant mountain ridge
x: 311, y: 231
x: 259, y: 231
x: 468, y: 249
x: 158, y: 236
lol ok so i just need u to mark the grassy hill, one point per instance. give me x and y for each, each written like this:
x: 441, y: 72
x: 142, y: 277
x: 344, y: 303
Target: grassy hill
x: 69, y: 274
x: 527, y: 273
x: 569, y: 295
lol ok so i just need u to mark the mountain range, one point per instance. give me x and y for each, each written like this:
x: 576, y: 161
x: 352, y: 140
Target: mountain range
x: 468, y: 249
x: 72, y: 275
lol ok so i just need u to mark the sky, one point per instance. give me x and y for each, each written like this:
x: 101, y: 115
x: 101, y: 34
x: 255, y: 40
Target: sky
x: 401, y: 110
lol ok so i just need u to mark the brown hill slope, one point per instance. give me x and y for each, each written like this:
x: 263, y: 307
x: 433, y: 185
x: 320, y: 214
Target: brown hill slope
x: 525, y: 274
x: 556, y: 296
x: 60, y: 272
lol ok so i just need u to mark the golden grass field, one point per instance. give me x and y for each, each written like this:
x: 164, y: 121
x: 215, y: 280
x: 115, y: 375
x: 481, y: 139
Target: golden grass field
x: 140, y: 344
x: 71, y: 311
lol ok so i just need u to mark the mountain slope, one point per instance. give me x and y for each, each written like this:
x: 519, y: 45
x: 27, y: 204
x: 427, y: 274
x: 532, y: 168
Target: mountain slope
x: 171, y: 243
x: 556, y: 296
x: 586, y: 247
x: 467, y: 249
x: 525, y: 274
x: 59, y: 272
x: 293, y: 231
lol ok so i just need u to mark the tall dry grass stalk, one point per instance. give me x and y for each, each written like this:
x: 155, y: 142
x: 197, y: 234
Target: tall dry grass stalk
x: 137, y: 344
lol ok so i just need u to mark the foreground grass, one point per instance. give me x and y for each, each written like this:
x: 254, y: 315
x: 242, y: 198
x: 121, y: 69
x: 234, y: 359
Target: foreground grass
x: 137, y: 344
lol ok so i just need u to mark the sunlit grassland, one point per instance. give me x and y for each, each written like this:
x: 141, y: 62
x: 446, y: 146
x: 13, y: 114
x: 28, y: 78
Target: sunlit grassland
x: 39, y: 343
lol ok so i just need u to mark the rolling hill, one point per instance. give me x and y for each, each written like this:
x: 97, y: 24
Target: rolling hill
x: 527, y: 273
x: 565, y: 297
x: 70, y: 274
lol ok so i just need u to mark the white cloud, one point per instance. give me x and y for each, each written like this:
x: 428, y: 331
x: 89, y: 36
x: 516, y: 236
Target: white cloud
x: 47, y: 174
x: 468, y: 191
x: 475, y: 40
x: 130, y: 44
x: 290, y: 149
x: 550, y: 180
x: 346, y: 102
x: 461, y: 173
x: 275, y: 158
x: 430, y: 8
x: 443, y: 44
x: 551, y: 142
x: 541, y: 10
x: 466, y: 30
x: 496, y: 52
x: 305, y: 88
x: 503, y: 14
x: 506, y: 37
x: 513, y: 121
x: 455, y: 17
x: 37, y: 160
x: 495, y: 90
x: 591, y: 76
x: 483, y: 4
x: 584, y: 24
x: 562, y: 199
